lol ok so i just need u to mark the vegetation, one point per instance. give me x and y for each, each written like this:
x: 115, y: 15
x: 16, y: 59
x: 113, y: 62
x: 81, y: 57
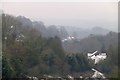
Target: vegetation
x: 27, y: 52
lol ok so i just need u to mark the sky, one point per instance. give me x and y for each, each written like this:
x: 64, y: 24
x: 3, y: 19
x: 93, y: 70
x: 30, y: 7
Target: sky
x: 76, y: 14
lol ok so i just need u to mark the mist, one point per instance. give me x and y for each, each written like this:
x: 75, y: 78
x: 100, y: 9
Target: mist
x: 81, y: 14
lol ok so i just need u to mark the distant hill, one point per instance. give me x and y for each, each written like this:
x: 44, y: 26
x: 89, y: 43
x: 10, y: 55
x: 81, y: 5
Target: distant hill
x: 80, y: 33
x: 50, y: 31
x: 61, y: 31
x: 91, y: 43
x: 84, y: 39
x: 99, y: 31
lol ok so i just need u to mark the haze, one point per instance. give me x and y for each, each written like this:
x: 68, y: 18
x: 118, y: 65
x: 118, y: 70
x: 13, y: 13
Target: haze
x: 81, y: 14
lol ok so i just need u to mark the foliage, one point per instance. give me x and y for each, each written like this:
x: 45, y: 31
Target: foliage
x: 27, y: 52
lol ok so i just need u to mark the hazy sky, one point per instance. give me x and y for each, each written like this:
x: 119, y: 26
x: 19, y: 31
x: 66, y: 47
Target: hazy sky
x: 78, y: 14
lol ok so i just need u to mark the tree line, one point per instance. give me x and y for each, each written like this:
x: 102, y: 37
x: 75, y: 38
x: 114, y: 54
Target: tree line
x: 26, y: 52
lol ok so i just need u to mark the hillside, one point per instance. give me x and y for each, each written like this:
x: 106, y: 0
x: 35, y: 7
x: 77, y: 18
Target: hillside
x: 91, y: 43
x: 81, y: 33
x: 31, y: 49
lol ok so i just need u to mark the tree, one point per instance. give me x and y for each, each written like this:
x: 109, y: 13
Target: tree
x: 7, y: 71
x: 103, y: 50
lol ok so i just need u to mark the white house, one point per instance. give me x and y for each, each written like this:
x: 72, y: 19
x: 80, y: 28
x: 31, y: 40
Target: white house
x: 97, y: 56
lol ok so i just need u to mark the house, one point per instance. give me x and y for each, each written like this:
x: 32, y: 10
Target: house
x: 97, y: 56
